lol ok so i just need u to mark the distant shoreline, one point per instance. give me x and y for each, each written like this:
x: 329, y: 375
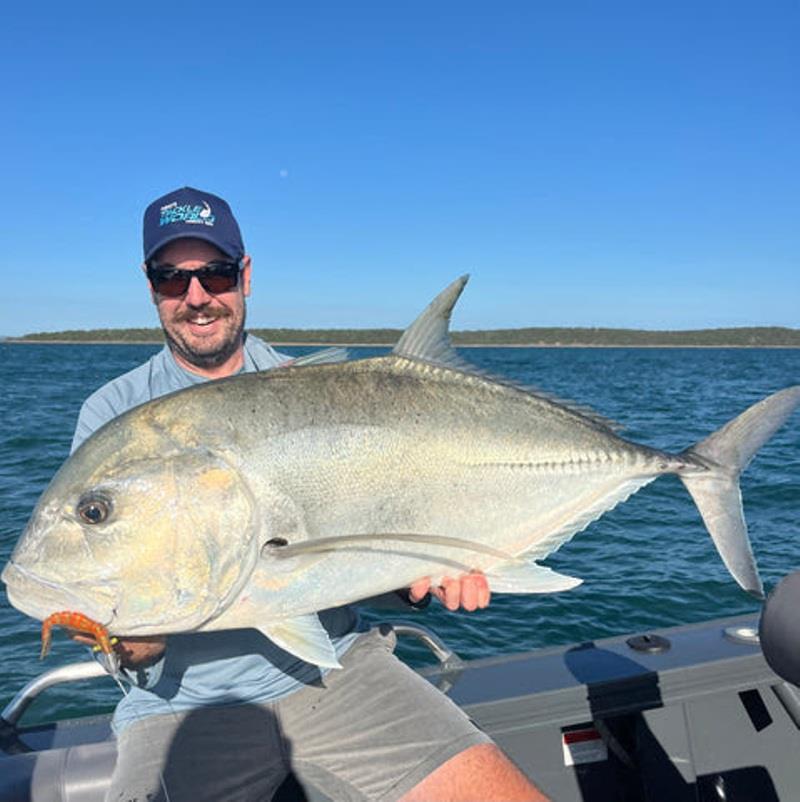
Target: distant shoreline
x: 329, y: 344
x: 522, y: 337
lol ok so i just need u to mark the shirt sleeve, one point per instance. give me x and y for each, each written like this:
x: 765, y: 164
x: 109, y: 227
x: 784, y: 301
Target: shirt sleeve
x: 111, y: 400
x: 96, y: 410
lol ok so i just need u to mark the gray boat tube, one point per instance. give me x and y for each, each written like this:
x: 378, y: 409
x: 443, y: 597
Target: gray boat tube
x: 779, y: 629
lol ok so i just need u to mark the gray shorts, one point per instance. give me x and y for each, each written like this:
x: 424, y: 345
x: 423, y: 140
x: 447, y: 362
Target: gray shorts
x: 373, y: 732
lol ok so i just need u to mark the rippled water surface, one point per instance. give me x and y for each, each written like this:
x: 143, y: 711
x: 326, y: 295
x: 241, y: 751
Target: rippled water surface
x: 647, y: 563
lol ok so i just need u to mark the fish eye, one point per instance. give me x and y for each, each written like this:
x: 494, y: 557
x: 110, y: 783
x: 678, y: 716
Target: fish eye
x: 94, y: 509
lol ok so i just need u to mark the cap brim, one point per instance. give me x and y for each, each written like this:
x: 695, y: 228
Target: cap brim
x: 199, y: 235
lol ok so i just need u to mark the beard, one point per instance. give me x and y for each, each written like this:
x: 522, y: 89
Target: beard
x: 205, y: 352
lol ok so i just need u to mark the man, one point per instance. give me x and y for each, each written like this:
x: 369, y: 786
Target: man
x: 226, y: 715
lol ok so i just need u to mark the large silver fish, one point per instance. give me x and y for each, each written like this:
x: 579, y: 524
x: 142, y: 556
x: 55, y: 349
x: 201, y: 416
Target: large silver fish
x: 258, y: 500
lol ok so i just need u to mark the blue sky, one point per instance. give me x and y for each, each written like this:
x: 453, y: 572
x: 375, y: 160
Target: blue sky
x: 590, y: 164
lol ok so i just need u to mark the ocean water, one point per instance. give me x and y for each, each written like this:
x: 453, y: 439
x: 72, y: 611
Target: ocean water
x: 648, y: 563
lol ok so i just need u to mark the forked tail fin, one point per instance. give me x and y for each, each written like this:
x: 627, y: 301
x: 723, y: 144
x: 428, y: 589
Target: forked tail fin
x: 726, y: 454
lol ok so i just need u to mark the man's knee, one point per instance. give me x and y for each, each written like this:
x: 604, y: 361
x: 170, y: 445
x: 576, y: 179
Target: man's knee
x: 479, y: 772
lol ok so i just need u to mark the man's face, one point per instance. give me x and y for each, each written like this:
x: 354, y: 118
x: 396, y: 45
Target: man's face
x: 203, y: 329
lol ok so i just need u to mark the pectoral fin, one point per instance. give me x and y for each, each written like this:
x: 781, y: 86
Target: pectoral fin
x: 324, y: 357
x: 304, y: 637
x: 529, y: 578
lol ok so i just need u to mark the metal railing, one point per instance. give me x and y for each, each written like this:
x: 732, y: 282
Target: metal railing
x: 443, y: 653
x: 73, y: 672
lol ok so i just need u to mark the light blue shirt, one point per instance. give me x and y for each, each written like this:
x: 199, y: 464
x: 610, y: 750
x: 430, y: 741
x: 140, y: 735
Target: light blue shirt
x: 206, y: 668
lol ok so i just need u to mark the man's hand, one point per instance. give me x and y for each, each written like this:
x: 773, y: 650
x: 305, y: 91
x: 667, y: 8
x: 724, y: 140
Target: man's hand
x: 140, y: 652
x: 470, y: 591
x: 132, y: 652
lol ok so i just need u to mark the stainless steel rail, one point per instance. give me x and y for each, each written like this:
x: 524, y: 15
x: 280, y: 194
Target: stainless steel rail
x: 443, y: 653
x: 72, y: 672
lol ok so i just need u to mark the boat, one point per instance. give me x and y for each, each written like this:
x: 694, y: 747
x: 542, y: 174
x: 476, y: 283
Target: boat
x: 686, y: 713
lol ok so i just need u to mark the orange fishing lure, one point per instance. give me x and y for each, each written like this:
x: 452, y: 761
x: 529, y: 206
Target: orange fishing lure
x: 78, y: 622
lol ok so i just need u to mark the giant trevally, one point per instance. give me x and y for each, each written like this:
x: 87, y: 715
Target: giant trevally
x: 258, y: 500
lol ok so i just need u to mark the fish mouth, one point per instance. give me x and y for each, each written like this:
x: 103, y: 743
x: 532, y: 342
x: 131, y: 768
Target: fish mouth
x: 40, y: 598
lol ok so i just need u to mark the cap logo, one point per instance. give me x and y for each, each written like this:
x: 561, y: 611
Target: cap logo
x: 188, y: 213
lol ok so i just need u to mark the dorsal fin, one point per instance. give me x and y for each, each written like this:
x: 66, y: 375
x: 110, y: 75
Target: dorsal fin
x: 428, y: 337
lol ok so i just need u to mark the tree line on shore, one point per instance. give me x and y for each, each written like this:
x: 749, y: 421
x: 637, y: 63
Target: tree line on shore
x: 765, y: 336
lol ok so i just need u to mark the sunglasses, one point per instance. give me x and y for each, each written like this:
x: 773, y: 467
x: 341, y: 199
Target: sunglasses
x: 215, y: 277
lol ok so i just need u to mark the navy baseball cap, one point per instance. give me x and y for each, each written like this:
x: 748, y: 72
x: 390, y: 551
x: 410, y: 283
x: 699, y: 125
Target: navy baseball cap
x: 190, y: 212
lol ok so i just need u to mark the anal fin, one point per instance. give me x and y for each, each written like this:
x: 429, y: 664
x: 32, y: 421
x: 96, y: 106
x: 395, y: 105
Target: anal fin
x: 529, y: 578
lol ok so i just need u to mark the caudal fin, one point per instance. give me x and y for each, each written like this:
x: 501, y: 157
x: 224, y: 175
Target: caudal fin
x: 726, y: 454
